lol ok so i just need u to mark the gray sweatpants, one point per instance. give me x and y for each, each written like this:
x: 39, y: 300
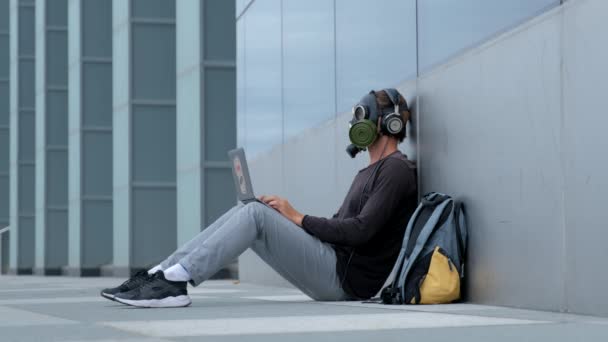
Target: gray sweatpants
x: 303, y: 260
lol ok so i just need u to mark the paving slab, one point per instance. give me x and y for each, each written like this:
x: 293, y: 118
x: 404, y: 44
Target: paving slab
x: 70, y: 309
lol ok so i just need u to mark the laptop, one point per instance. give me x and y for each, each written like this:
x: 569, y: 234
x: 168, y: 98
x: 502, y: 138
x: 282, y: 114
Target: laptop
x: 242, y: 180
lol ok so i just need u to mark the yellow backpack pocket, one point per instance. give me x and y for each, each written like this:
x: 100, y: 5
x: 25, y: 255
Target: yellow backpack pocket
x: 440, y: 284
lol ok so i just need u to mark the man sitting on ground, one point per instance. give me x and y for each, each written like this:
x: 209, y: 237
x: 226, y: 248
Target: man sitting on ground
x: 346, y: 257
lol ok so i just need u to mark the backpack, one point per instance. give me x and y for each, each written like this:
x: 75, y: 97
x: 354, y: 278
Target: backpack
x: 430, y: 266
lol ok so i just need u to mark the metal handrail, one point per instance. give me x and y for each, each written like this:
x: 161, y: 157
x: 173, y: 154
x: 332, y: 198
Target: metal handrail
x: 4, y: 230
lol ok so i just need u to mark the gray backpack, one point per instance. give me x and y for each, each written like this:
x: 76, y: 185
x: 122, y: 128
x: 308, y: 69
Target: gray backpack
x: 430, y: 266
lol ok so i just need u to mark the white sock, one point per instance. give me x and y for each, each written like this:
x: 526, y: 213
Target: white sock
x: 155, y: 269
x: 177, y: 273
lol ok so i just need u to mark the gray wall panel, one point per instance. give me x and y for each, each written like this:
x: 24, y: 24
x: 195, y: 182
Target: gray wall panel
x: 57, y: 242
x: 57, y: 179
x: 584, y: 88
x: 27, y: 83
x: 96, y: 28
x: 57, y: 118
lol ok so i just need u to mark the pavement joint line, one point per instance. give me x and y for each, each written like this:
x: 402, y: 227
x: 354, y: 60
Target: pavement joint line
x: 309, y: 324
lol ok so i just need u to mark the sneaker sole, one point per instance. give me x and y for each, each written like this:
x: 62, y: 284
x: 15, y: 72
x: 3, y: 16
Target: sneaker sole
x: 108, y: 296
x: 169, y: 302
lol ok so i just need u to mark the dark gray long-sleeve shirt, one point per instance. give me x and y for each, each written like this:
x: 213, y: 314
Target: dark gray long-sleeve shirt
x: 368, y: 229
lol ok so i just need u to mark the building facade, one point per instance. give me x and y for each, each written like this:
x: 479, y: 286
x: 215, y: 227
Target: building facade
x: 507, y: 117
x: 115, y: 121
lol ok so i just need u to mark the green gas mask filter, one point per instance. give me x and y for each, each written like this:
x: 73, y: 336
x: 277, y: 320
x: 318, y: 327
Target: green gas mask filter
x: 363, y: 129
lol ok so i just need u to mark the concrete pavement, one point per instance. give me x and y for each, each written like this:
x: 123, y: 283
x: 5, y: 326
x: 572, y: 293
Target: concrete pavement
x: 70, y: 309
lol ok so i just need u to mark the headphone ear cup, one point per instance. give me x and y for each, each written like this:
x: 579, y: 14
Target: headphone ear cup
x: 392, y: 124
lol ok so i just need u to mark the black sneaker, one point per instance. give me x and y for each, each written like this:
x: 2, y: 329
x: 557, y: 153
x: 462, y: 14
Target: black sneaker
x: 132, y: 283
x: 157, y: 292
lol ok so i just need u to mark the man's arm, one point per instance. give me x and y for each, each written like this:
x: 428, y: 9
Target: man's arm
x: 385, y: 199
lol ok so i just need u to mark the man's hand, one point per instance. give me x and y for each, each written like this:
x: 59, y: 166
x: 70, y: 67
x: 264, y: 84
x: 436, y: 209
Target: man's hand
x: 283, y: 206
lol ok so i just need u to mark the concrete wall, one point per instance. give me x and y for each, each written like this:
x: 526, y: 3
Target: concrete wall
x: 512, y: 128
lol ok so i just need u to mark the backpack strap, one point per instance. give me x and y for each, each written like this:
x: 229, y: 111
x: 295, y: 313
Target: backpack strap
x: 461, y: 234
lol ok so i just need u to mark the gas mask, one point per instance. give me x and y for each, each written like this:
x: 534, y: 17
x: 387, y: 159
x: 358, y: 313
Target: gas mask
x: 363, y: 129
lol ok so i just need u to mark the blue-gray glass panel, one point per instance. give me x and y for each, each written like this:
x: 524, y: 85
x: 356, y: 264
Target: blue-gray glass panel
x: 27, y: 179
x: 27, y: 247
x: 263, y: 77
x: 4, y: 199
x: 97, y: 28
x: 219, y: 192
x: 57, y: 178
x: 96, y: 233
x: 447, y: 27
x: 308, y: 64
x: 27, y: 83
x: 27, y: 31
x: 4, y: 103
x: 4, y: 57
x: 57, y: 58
x: 154, y: 62
x: 57, y: 118
x: 4, y: 14
x: 240, y: 82
x: 375, y: 47
x: 57, y: 239
x: 56, y: 12
x: 27, y: 131
x: 154, y: 9
x: 154, y: 144
x: 154, y: 225
x: 219, y: 30
x: 4, y: 150
x: 220, y: 113
x: 97, y: 163
x: 97, y: 94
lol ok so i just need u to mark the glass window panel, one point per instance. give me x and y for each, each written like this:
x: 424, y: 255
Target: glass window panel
x: 240, y: 82
x: 4, y: 198
x: 447, y: 27
x: 57, y: 177
x: 154, y: 9
x: 240, y: 6
x: 27, y: 82
x: 154, y: 72
x: 57, y: 118
x: 97, y: 94
x: 4, y: 56
x: 4, y: 103
x: 219, y: 193
x: 57, y: 238
x: 26, y: 189
x: 57, y: 58
x: 263, y: 77
x: 4, y: 151
x: 27, y: 133
x: 154, y: 225
x: 27, y: 247
x: 96, y: 240
x: 4, y: 14
x: 57, y: 12
x: 154, y: 154
x: 375, y: 46
x: 97, y: 28
x: 220, y: 118
x: 219, y: 29
x: 97, y: 163
x: 308, y: 64
x: 26, y: 31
